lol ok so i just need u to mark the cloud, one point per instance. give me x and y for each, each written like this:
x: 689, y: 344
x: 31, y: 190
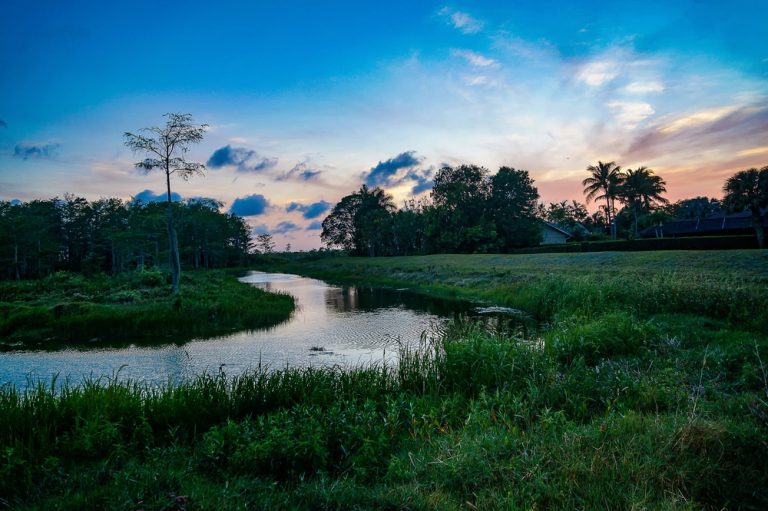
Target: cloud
x: 424, y: 181
x: 245, y: 160
x: 597, y: 73
x: 631, y: 113
x: 260, y: 229
x: 475, y: 59
x: 30, y: 150
x: 14, y: 202
x: 3, y: 124
x: 702, y: 131
x: 309, y: 211
x: 644, y: 87
x: 461, y: 20
x: 148, y: 196
x: 302, y: 172
x: 390, y: 172
x: 252, y: 205
x: 285, y: 228
x: 754, y: 151
x: 315, y: 226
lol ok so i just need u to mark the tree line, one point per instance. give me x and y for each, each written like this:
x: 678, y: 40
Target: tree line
x: 110, y: 235
x: 471, y: 211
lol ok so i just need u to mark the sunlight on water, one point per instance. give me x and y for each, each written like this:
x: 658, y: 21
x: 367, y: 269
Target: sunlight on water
x: 332, y: 325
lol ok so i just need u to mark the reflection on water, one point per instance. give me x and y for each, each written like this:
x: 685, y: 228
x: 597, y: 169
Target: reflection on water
x: 332, y: 325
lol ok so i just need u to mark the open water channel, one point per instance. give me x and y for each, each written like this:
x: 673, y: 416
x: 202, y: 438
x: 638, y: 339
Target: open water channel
x: 332, y: 325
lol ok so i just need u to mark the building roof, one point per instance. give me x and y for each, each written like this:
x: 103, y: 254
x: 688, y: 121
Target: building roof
x: 557, y: 228
x: 719, y: 224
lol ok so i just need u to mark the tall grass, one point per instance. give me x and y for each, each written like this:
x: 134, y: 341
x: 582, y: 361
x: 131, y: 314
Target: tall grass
x: 474, y: 417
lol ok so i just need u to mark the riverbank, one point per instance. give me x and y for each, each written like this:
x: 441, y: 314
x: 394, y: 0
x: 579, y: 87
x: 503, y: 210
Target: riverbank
x: 645, y: 388
x: 68, y: 309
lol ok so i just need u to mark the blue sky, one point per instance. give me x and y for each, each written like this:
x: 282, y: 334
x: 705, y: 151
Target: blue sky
x: 308, y: 100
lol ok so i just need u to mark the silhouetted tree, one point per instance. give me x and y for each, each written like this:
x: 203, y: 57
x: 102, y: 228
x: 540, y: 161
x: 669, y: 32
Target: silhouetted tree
x: 748, y: 190
x: 167, y: 150
x: 604, y: 183
x: 640, y: 190
x: 513, y: 205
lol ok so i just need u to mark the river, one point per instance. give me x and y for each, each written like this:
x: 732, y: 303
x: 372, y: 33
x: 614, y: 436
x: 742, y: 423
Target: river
x: 332, y: 325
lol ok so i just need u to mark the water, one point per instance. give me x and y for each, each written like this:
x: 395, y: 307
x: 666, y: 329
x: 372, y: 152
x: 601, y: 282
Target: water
x: 333, y: 325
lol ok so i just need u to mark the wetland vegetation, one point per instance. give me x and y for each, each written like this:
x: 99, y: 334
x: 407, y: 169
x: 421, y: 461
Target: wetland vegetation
x: 644, y: 387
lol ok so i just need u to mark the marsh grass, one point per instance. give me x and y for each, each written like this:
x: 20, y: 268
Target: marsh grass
x: 132, y: 307
x: 622, y: 399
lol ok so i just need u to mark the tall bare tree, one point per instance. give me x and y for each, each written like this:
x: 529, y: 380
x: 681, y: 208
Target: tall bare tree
x: 166, y: 148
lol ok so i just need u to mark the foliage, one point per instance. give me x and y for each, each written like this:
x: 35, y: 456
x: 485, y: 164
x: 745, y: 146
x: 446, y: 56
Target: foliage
x: 748, y: 190
x: 264, y: 243
x: 649, y: 395
x: 67, y: 308
x: 604, y: 182
x: 109, y: 235
x: 469, y: 212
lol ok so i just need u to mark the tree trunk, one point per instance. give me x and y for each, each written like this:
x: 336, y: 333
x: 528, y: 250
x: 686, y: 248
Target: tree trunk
x: 173, y: 244
x: 16, y: 260
x: 608, y: 213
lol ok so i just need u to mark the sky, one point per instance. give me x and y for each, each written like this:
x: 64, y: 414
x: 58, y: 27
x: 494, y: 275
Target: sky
x: 306, y: 101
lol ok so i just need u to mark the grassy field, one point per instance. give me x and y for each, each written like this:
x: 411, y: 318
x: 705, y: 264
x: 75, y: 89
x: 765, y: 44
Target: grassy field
x: 644, y: 388
x: 132, y: 307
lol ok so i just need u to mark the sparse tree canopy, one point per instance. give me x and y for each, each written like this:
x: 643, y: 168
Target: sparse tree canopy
x: 166, y: 149
x: 264, y: 243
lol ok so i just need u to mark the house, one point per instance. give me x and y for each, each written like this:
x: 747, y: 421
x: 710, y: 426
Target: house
x: 720, y: 225
x: 551, y: 234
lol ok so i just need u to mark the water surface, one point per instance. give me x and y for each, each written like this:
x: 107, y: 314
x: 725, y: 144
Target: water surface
x: 332, y: 325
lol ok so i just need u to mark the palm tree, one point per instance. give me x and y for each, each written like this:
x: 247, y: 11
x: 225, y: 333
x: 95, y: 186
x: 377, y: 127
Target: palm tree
x: 641, y: 189
x: 748, y: 189
x: 605, y: 180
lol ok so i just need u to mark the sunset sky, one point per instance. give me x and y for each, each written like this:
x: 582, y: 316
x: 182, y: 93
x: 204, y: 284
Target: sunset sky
x: 306, y: 101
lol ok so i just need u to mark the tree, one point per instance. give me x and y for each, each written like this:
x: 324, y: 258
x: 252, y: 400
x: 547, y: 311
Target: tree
x: 605, y: 179
x: 459, y: 219
x: 361, y: 223
x: 513, y: 204
x: 166, y: 150
x: 748, y: 190
x: 641, y: 190
x: 264, y: 243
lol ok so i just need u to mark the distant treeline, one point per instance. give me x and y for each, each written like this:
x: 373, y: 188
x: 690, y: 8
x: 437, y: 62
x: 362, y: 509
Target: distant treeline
x: 469, y: 211
x: 110, y: 235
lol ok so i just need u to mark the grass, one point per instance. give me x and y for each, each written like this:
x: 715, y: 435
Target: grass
x: 133, y: 307
x: 614, y: 402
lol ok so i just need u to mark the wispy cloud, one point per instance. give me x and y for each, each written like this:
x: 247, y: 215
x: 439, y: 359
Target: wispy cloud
x: 597, y: 73
x: 301, y: 172
x: 33, y: 150
x: 631, y: 113
x: 475, y: 59
x: 717, y: 129
x: 252, y: 205
x: 644, y: 87
x: 245, y: 160
x: 309, y: 211
x: 285, y: 228
x: 461, y: 20
x: 315, y: 226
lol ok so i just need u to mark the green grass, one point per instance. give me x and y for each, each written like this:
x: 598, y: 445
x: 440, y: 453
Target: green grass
x: 133, y: 307
x: 622, y: 399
